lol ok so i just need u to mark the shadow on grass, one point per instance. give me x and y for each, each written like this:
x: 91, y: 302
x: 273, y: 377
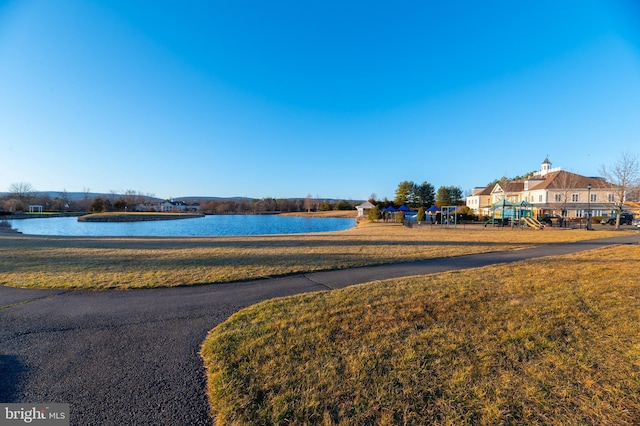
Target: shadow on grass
x: 163, y: 243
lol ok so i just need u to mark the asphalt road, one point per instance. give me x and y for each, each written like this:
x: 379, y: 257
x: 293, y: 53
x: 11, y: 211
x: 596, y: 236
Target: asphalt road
x: 132, y: 357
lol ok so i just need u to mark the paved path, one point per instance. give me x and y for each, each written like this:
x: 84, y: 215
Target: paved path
x: 132, y: 357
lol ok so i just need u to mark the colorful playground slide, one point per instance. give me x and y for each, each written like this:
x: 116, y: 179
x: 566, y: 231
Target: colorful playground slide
x: 533, y: 223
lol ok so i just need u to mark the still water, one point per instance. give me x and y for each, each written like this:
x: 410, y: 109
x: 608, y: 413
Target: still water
x: 208, y: 226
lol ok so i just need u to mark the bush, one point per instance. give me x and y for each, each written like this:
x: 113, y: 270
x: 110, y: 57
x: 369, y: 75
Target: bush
x: 375, y: 214
x: 326, y: 206
x: 99, y: 205
x: 421, y: 216
x: 466, y: 213
x: 344, y: 205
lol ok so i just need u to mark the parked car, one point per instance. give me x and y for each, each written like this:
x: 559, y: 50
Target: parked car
x: 550, y: 219
x: 638, y: 223
x: 625, y: 219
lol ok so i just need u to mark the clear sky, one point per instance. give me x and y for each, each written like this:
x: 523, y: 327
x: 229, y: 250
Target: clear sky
x: 337, y: 99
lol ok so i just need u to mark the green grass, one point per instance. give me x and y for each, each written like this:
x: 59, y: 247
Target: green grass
x: 547, y: 341
x: 101, y: 263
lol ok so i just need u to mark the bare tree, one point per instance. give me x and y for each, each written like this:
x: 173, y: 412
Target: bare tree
x: 308, y: 203
x: 65, y: 202
x: 133, y: 197
x: 21, y: 190
x: 562, y: 186
x: 624, y: 174
x: 113, y: 195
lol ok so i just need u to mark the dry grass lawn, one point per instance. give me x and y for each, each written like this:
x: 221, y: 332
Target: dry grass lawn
x: 102, y: 263
x: 549, y: 341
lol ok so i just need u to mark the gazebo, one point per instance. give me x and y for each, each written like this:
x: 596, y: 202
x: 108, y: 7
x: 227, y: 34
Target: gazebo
x: 363, y: 209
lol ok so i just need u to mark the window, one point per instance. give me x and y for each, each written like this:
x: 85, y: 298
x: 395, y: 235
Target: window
x: 575, y: 198
x: 558, y: 198
x: 540, y: 198
x: 594, y: 198
x: 611, y: 198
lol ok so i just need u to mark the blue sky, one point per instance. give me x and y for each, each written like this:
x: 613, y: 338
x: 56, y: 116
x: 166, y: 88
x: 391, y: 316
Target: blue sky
x: 330, y: 98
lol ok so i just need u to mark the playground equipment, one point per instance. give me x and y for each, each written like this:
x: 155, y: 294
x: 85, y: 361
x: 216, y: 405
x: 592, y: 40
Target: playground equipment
x: 449, y: 215
x: 514, y: 214
x: 532, y: 222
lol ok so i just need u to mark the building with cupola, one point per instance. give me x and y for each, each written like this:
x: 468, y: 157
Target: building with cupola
x: 550, y: 191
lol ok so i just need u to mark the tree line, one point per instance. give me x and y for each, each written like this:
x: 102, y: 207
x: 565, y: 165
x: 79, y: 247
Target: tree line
x: 21, y: 195
x: 271, y: 205
x: 421, y: 197
x: 414, y: 195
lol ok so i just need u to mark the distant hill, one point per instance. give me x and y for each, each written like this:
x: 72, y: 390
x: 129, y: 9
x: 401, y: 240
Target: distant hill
x: 193, y: 198
x: 75, y: 196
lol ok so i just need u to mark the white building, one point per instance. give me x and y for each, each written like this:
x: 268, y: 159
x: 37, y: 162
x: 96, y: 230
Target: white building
x: 363, y: 209
x: 550, y: 191
x: 169, y: 206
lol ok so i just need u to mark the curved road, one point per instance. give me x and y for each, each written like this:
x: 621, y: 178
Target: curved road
x: 132, y: 357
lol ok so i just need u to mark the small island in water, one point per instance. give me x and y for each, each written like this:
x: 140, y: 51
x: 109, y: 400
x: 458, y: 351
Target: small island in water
x: 135, y: 217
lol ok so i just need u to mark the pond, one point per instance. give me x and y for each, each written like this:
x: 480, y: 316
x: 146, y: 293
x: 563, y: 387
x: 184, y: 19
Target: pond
x: 208, y: 226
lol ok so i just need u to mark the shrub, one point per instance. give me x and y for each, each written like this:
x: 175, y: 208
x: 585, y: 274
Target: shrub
x: 326, y: 206
x: 375, y: 214
x: 344, y: 205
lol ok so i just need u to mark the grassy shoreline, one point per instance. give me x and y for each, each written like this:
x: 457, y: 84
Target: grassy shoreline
x: 123, y: 263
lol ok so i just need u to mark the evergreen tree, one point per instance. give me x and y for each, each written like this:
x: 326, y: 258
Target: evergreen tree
x: 424, y: 195
x: 449, y: 196
x: 375, y: 214
x: 403, y: 193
